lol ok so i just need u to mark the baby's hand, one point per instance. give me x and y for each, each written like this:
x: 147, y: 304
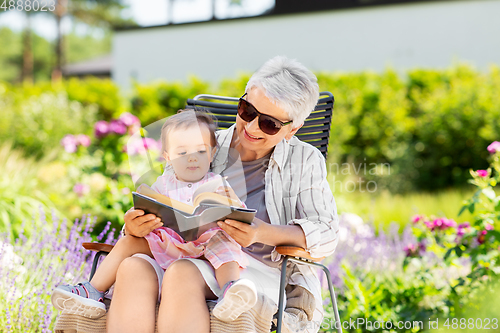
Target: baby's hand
x: 227, y: 192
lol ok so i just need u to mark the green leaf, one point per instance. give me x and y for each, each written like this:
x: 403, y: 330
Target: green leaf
x: 495, y: 233
x: 472, y: 208
x: 462, y: 210
x: 447, y: 254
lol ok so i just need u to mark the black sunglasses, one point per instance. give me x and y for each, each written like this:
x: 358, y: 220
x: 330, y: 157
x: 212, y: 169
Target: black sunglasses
x: 267, y: 124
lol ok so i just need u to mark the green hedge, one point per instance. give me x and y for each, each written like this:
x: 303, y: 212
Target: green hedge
x: 429, y: 126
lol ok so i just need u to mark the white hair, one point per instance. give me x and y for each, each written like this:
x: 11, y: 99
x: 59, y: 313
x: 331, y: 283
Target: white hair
x: 289, y: 85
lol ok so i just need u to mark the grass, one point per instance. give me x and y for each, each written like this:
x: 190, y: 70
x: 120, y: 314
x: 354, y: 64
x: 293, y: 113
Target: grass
x: 382, y: 207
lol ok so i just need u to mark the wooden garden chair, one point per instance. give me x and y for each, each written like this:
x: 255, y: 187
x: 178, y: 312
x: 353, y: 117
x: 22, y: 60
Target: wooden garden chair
x: 316, y: 131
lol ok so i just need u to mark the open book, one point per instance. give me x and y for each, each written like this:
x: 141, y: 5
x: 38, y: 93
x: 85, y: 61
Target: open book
x: 191, y: 221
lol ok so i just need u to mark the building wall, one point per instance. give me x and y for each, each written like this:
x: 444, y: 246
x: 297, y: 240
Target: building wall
x: 427, y: 34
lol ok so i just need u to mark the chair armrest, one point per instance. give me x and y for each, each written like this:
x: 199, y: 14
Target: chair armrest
x: 97, y: 247
x: 295, y: 251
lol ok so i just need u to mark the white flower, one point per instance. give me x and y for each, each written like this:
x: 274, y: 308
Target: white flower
x: 352, y: 224
x: 11, y: 261
x: 8, y: 259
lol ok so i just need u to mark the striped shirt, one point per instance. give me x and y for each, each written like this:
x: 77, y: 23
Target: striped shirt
x: 296, y: 192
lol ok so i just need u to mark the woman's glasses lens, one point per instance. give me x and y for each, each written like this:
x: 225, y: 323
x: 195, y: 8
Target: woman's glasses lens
x: 246, y: 112
x: 267, y: 124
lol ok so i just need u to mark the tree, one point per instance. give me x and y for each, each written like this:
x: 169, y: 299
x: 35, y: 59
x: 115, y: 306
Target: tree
x: 27, y: 58
x: 96, y: 13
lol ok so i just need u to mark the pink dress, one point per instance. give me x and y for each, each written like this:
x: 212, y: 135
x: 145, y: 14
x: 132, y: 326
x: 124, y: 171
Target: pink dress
x: 215, y: 244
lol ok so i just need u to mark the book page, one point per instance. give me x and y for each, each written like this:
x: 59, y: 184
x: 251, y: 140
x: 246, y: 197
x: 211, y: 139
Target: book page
x: 148, y: 191
x: 205, y: 194
x: 210, y: 186
x: 214, y: 198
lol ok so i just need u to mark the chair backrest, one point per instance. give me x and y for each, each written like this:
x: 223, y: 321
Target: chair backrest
x: 316, y: 129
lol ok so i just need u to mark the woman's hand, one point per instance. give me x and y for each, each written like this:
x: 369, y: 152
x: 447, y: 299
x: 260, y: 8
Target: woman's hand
x: 261, y: 232
x: 139, y: 225
x: 243, y: 233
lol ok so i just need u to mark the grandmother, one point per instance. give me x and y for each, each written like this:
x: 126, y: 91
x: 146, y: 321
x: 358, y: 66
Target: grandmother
x: 284, y: 180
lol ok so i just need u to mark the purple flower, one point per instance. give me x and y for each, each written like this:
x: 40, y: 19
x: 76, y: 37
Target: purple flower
x: 81, y: 189
x: 83, y: 140
x: 482, y: 173
x: 69, y: 143
x: 463, y: 228
x: 101, y: 128
x: 129, y: 119
x: 494, y: 147
x: 464, y: 225
x: 117, y: 126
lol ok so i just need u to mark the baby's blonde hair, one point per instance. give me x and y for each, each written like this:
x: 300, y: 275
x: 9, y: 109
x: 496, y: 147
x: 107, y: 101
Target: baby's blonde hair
x: 184, y: 119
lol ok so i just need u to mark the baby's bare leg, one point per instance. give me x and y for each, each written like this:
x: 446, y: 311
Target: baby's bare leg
x: 127, y: 246
x: 229, y: 271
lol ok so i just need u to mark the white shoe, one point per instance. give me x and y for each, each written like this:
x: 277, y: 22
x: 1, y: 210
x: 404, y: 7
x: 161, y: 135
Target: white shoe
x: 237, y: 297
x: 82, y: 299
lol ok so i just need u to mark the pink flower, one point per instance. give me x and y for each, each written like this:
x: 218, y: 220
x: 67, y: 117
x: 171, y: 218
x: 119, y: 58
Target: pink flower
x: 488, y: 226
x: 450, y: 223
x: 129, y: 119
x: 81, y: 189
x: 117, y: 126
x: 429, y: 224
x: 413, y: 250
x: 482, y: 237
x: 69, y: 143
x: 494, y: 147
x: 101, y: 128
x: 83, y: 140
x: 441, y: 223
x: 482, y: 173
x: 417, y: 218
x: 135, y: 147
x: 410, y: 250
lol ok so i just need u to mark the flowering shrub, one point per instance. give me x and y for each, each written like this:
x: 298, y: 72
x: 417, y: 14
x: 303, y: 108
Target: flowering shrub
x: 32, y: 266
x: 372, y: 282
x: 99, y: 170
x: 473, y: 245
x: 480, y: 240
x: 71, y: 142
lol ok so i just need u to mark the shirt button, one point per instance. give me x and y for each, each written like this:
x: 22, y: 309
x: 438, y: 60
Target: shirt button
x: 189, y: 185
